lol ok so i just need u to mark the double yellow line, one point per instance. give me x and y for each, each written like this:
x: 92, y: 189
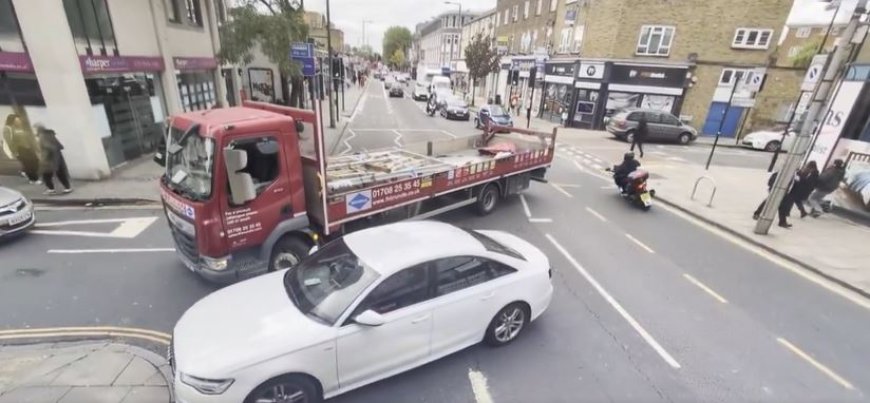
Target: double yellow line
x: 86, y: 332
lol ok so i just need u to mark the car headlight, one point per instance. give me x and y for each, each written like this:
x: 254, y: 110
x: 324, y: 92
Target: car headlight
x: 216, y: 264
x: 206, y: 386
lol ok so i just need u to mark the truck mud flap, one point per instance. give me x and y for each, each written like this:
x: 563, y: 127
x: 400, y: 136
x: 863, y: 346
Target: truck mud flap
x: 517, y: 183
x: 539, y: 175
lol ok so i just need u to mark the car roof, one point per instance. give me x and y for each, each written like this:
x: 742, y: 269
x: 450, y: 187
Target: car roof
x: 393, y: 247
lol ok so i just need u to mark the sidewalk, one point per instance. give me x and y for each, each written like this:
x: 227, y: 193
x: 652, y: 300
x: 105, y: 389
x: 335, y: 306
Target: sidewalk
x: 832, y: 246
x: 82, y: 373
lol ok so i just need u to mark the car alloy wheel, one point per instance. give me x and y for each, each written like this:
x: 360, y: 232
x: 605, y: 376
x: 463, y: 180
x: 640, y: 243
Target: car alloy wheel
x: 507, y: 324
x: 286, y: 389
x: 772, y: 146
x: 629, y: 137
x: 283, y: 393
x: 685, y: 138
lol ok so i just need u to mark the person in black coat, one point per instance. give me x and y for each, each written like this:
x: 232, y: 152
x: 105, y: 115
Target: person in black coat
x: 784, y: 206
x: 53, y: 163
x: 805, y: 182
x: 640, y: 134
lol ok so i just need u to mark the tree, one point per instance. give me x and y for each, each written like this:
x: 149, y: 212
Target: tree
x: 805, y: 55
x: 396, y: 38
x: 273, y: 25
x: 481, y: 59
x: 397, y: 60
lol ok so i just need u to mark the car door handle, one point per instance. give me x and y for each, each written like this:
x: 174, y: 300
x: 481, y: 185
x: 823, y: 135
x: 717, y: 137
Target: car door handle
x: 420, y: 319
x: 488, y: 296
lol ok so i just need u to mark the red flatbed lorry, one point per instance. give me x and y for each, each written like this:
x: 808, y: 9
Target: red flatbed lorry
x: 242, y: 197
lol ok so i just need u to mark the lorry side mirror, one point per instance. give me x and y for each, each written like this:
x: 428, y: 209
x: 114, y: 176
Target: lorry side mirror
x: 242, y: 188
x: 300, y: 127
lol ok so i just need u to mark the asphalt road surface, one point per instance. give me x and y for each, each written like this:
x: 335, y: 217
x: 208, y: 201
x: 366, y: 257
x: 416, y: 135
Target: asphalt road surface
x: 648, y: 306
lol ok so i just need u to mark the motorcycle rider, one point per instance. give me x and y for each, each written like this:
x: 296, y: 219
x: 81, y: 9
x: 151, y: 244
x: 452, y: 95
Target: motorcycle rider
x: 620, y: 172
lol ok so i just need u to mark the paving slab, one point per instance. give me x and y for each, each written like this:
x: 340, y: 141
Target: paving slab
x: 98, y: 368
x: 96, y: 394
x: 35, y: 394
x: 146, y: 394
x: 138, y: 372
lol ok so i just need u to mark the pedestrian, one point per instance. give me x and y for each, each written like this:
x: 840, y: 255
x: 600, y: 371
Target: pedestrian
x: 784, y: 206
x: 829, y: 181
x: 805, y: 182
x: 53, y: 163
x: 23, y: 146
x: 640, y: 134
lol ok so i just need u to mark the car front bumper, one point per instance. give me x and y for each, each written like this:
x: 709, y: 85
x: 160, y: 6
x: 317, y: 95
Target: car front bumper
x: 26, y: 214
x: 457, y: 115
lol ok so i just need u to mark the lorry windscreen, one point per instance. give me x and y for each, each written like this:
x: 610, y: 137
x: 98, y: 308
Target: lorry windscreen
x: 190, y: 164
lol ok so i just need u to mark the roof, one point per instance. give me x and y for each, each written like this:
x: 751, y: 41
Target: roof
x: 221, y: 117
x: 390, y: 248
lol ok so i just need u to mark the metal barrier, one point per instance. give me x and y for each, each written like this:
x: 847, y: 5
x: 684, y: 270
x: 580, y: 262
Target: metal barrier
x: 695, y: 189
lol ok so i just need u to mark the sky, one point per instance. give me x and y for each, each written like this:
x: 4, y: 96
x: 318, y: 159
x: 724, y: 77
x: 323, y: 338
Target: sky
x: 813, y: 12
x: 348, y: 15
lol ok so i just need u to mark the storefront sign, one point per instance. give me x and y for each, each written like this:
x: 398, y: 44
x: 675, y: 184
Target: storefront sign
x: 593, y: 71
x: 833, y: 122
x: 120, y: 64
x: 15, y: 62
x: 648, y: 75
x: 194, y: 63
x: 559, y: 69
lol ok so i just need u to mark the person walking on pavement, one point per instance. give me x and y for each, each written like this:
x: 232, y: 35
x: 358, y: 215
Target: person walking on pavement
x: 829, y: 181
x: 805, y: 182
x: 784, y: 206
x: 53, y: 162
x: 20, y: 144
x: 640, y: 134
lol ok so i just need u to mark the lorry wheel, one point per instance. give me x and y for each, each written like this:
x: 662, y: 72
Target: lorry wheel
x: 287, y: 253
x: 487, y: 199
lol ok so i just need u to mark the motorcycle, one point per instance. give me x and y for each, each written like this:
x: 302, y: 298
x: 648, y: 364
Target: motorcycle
x: 635, y: 189
x: 431, y: 108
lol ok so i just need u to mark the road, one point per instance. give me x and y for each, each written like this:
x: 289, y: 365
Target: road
x: 648, y: 306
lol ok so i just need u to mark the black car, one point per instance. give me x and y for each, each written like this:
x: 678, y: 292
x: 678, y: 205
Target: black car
x: 397, y: 91
x: 455, y: 108
x: 493, y: 113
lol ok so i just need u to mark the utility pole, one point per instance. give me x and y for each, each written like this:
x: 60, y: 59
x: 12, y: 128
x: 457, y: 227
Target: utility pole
x: 804, y: 138
x: 329, y: 64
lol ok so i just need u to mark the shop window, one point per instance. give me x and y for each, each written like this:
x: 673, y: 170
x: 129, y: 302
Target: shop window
x: 172, y: 10
x: 91, y: 26
x: 10, y: 36
x: 748, y: 38
x: 655, y: 40
x: 553, y: 5
x: 194, y: 12
x: 196, y: 90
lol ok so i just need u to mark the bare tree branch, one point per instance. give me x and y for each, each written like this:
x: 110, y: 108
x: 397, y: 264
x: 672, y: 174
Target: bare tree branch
x: 269, y: 6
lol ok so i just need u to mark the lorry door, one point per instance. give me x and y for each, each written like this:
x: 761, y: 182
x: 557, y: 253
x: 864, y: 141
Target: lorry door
x: 248, y: 225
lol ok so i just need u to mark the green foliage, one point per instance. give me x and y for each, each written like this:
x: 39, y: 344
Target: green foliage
x: 396, y: 38
x: 806, y: 54
x: 273, y: 24
x: 480, y: 57
x: 397, y: 60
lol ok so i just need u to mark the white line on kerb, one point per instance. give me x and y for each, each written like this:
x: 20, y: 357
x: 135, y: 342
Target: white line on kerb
x: 84, y: 251
x: 639, y: 243
x: 819, y: 366
x: 561, y: 190
x: 479, y: 387
x: 709, y: 290
x: 615, y: 304
x: 596, y: 214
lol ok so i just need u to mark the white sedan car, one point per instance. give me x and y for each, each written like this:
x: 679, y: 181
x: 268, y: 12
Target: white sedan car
x: 768, y: 140
x: 364, y: 307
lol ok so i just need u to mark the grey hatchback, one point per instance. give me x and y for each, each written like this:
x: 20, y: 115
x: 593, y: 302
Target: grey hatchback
x: 662, y: 126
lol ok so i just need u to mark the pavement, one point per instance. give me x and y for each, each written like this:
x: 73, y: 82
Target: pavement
x: 655, y: 306
x: 82, y: 372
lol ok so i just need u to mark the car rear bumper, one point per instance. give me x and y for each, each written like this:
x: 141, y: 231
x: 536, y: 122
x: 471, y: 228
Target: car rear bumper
x: 540, y: 305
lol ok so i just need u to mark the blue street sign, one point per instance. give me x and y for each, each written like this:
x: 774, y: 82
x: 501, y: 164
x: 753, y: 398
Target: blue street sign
x: 301, y: 49
x: 307, y: 65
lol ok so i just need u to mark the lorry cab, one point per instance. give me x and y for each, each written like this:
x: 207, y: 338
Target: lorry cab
x: 221, y: 234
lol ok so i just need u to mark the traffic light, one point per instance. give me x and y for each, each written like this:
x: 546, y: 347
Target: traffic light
x: 532, y: 73
x: 515, y: 77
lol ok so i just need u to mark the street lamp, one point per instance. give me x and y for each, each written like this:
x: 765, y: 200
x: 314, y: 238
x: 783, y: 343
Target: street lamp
x: 456, y: 3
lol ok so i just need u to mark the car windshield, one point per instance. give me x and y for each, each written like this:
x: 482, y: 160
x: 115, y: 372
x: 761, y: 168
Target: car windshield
x: 190, y: 163
x: 492, y: 245
x: 457, y: 102
x: 325, y: 284
x: 497, y: 110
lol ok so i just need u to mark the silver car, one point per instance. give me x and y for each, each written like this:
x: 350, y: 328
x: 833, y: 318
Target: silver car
x: 16, y: 213
x: 661, y: 126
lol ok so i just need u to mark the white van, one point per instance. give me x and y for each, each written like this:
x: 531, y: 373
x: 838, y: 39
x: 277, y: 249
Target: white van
x: 439, y: 83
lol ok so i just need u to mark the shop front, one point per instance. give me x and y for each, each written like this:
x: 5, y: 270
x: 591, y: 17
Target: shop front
x: 588, y: 109
x: 196, y: 82
x: 519, y: 81
x: 21, y: 105
x: 659, y: 87
x: 127, y: 103
x: 558, y: 83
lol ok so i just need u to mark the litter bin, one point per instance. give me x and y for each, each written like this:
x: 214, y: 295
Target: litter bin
x: 497, y: 99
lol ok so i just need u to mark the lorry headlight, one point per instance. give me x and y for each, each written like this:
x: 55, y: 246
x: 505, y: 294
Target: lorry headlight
x: 216, y: 263
x: 206, y: 386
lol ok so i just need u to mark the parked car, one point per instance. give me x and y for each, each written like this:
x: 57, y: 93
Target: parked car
x: 493, y: 113
x: 455, y: 108
x: 16, y: 213
x: 421, y: 91
x: 366, y: 306
x: 663, y: 126
x: 389, y: 82
x: 397, y: 91
x: 768, y: 140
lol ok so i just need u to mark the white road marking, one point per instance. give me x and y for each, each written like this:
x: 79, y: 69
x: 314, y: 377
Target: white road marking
x: 819, y: 366
x: 152, y: 206
x: 676, y: 159
x: 529, y: 212
x: 398, y: 138
x: 387, y: 101
x: 449, y: 134
x: 359, y: 106
x: 479, y: 387
x: 799, y: 271
x: 346, y: 141
x: 540, y: 220
x: 639, y: 243
x: 587, y: 161
x: 128, y: 228
x: 597, y: 167
x: 561, y: 190
x: 127, y: 250
x: 596, y: 214
x: 133, y: 227
x: 709, y: 290
x: 608, y: 187
x: 616, y: 305
x: 568, y: 185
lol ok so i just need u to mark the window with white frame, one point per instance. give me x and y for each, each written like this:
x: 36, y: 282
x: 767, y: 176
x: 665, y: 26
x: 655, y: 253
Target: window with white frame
x: 526, y: 10
x: 553, y: 5
x: 655, y: 40
x: 578, y: 38
x: 803, y: 32
x: 752, y: 38
x: 730, y: 76
x: 835, y: 31
x: 497, y: 19
x: 516, y: 13
x: 565, y: 40
x: 539, y: 7
x: 507, y: 17
x: 793, y: 51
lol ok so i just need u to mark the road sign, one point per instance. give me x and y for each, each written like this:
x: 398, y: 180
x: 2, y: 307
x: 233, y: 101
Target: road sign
x: 748, y: 87
x: 814, y: 72
x: 301, y: 49
x: 308, y: 66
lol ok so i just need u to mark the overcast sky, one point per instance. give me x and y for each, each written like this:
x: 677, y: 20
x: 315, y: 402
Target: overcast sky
x: 348, y: 15
x: 813, y: 12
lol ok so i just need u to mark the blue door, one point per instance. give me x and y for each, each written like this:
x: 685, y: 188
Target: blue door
x: 714, y: 117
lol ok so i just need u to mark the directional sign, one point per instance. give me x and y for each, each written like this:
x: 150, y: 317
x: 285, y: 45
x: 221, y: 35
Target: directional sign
x: 301, y: 49
x: 124, y: 228
x: 814, y: 72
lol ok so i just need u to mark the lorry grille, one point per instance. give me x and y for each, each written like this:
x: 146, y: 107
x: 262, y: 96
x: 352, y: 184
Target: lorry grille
x: 186, y: 244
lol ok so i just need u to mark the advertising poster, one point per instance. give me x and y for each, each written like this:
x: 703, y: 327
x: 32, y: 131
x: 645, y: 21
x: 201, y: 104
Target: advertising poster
x: 262, y: 85
x: 833, y: 122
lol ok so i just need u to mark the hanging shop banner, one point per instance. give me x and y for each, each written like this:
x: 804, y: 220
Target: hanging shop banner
x: 194, y: 63
x: 15, y: 62
x: 120, y: 64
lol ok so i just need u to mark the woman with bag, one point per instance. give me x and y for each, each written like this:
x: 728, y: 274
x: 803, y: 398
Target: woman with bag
x: 22, y: 145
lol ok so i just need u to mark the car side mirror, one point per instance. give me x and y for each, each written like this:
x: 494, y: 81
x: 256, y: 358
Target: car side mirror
x: 369, y: 318
x: 242, y: 187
